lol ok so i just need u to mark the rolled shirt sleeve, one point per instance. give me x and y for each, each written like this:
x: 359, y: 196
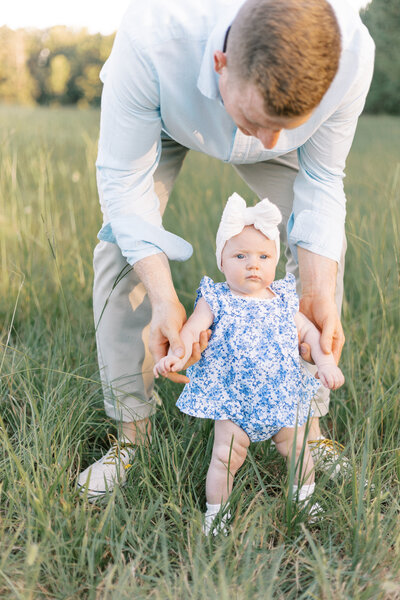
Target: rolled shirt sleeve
x: 129, y: 152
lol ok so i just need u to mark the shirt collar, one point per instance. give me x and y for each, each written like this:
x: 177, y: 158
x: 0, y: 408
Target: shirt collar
x: 207, y: 81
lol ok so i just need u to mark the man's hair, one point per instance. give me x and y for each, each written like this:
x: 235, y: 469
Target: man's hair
x: 289, y: 49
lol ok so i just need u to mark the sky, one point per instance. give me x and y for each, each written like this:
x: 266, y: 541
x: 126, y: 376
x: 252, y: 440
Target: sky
x: 96, y: 15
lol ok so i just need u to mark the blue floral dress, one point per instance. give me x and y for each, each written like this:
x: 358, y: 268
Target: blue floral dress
x: 250, y: 371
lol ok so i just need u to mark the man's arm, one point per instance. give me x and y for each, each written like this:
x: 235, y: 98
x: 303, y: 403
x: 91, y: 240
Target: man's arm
x: 168, y: 314
x: 316, y: 227
x: 129, y: 153
x: 129, y: 148
x: 319, y: 204
x: 317, y: 303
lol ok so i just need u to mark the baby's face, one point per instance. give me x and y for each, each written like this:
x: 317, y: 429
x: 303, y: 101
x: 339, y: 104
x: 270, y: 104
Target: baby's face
x: 249, y: 263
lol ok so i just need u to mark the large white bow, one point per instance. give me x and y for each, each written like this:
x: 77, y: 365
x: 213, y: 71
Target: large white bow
x: 265, y: 216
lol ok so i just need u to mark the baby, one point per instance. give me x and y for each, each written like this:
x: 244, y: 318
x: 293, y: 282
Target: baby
x: 249, y: 379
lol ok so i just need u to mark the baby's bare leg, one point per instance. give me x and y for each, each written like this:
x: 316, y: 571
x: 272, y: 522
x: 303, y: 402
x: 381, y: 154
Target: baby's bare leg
x: 284, y: 441
x: 229, y: 453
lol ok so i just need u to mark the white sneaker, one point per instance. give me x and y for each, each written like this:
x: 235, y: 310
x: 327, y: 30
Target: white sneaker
x: 102, y: 476
x: 328, y: 456
x: 303, y: 498
x: 315, y: 512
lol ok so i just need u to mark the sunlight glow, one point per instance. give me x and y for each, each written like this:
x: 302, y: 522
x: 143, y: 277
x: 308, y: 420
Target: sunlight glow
x: 96, y: 15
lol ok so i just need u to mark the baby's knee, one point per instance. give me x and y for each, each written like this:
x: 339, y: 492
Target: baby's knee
x: 231, y: 456
x: 300, y: 441
x: 289, y: 441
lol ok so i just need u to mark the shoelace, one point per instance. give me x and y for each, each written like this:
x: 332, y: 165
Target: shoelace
x: 327, y: 443
x: 117, y: 448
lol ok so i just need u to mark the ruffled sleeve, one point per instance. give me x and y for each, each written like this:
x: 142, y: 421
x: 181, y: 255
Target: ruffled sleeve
x: 286, y: 289
x: 208, y: 291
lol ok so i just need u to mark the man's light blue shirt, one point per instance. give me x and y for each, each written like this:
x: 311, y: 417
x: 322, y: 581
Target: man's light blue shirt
x: 160, y: 79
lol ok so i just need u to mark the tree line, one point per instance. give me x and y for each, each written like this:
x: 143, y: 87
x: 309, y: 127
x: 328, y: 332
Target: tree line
x: 61, y: 65
x: 52, y: 66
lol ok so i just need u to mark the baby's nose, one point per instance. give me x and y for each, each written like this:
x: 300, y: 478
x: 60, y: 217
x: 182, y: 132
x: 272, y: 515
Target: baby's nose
x: 252, y: 264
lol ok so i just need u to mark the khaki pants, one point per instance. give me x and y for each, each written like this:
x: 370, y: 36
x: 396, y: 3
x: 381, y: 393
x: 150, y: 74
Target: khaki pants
x: 122, y: 310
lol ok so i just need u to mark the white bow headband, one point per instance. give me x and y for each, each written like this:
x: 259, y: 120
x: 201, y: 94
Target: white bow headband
x: 265, y: 216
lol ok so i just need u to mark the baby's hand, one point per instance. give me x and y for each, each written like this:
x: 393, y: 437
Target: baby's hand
x: 168, y: 364
x: 331, y: 376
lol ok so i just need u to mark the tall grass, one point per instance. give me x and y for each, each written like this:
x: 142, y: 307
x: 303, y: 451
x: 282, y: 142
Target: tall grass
x: 145, y: 540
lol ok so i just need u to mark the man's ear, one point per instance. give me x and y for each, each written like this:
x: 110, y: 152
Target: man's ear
x: 219, y: 61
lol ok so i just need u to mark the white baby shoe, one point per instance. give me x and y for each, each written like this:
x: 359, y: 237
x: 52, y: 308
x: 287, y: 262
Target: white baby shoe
x: 216, y: 519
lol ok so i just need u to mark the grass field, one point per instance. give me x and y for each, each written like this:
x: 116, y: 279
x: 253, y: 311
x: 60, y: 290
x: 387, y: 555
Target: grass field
x: 145, y: 541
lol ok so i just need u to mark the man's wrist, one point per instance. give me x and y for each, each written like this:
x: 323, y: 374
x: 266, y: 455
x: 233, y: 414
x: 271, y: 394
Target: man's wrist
x: 317, y: 274
x: 161, y: 298
x: 155, y: 275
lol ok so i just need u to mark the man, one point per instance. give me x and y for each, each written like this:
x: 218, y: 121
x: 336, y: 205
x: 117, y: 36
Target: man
x: 274, y: 87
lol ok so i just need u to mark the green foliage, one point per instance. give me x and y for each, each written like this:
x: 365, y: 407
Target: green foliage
x: 145, y: 541
x: 54, y: 66
x: 382, y: 17
x: 60, y: 71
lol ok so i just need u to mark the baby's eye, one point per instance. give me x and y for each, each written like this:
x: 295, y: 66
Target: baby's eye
x: 264, y: 256
x: 240, y: 256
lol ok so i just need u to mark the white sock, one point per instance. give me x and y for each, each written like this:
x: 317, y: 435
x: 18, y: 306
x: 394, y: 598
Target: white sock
x: 303, y: 493
x: 215, y: 515
x: 212, y: 509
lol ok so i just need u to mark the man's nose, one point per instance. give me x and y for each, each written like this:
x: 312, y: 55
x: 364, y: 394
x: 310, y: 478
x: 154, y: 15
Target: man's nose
x: 268, y: 137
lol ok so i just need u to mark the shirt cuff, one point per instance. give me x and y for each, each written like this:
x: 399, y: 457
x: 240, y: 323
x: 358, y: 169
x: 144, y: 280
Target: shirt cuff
x: 317, y: 233
x: 138, y: 239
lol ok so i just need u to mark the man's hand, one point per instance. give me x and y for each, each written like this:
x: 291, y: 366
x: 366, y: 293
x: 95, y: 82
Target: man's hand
x: 323, y: 313
x: 166, y: 324
x: 167, y: 320
x: 197, y: 349
x: 168, y: 314
x: 169, y: 365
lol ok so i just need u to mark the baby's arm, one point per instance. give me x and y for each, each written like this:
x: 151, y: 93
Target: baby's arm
x: 199, y: 321
x: 329, y: 373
